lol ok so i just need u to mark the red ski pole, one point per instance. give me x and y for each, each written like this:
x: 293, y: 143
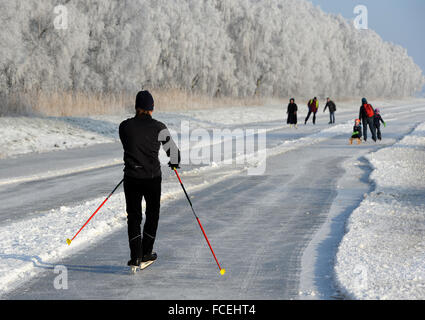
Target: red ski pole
x: 222, y: 270
x: 68, y: 241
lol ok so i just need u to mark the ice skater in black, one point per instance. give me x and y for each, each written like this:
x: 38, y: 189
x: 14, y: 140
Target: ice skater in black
x: 292, y: 113
x: 332, y: 109
x: 141, y: 137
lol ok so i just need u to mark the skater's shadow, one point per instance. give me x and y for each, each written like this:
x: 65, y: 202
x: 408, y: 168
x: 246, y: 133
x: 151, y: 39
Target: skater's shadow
x: 39, y: 263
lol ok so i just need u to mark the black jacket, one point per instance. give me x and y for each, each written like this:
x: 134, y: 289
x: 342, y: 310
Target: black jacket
x: 141, y: 138
x: 292, y: 113
x: 331, y: 105
x: 357, y: 129
x: 377, y: 120
x: 292, y: 108
x: 363, y: 114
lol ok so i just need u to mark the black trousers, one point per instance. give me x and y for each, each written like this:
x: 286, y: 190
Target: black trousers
x: 308, y: 116
x: 370, y: 122
x: 135, y: 190
x: 378, y: 131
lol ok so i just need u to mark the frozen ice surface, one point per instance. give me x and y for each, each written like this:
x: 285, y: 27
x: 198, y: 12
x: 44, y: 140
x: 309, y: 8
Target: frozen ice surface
x: 257, y: 225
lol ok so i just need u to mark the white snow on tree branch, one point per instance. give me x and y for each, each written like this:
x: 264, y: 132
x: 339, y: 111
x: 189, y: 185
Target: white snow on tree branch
x: 215, y: 47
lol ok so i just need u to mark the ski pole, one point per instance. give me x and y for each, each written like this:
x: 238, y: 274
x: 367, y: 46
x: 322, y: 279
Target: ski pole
x: 68, y: 241
x: 222, y: 270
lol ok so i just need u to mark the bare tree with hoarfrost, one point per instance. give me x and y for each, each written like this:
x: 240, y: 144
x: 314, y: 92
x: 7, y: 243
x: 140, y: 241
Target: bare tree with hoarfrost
x: 215, y: 47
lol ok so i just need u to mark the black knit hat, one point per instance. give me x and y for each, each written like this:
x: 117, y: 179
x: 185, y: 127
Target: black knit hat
x: 144, y: 101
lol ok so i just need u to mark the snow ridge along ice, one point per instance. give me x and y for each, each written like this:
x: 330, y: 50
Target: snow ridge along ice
x: 382, y: 255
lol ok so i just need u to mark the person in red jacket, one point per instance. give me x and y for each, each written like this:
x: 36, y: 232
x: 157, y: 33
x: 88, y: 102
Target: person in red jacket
x: 367, y: 114
x: 313, y: 106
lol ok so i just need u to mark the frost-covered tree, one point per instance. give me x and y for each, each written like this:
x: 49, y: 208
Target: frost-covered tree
x: 215, y: 47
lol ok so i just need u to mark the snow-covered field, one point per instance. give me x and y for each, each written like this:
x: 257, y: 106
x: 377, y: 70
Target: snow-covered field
x: 384, y: 240
x: 382, y: 256
x: 21, y: 135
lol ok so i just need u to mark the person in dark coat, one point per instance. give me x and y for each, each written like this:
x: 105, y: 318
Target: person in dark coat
x: 313, y: 106
x: 377, y: 121
x: 292, y: 113
x: 141, y: 137
x: 332, y: 109
x: 367, y: 115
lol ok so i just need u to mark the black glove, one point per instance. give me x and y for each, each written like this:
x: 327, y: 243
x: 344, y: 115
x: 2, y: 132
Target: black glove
x: 173, y: 166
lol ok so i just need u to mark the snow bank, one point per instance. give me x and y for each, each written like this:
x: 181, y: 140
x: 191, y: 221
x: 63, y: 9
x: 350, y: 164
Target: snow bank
x: 382, y: 255
x: 19, y: 135
x: 33, y: 244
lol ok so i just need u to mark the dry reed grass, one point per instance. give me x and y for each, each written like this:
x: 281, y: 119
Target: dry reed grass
x: 84, y: 104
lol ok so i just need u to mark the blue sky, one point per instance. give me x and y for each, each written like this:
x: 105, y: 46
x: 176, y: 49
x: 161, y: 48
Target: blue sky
x: 397, y: 21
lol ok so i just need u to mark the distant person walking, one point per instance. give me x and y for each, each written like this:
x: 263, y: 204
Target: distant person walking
x: 332, y: 109
x: 313, y: 106
x: 367, y: 114
x: 292, y: 113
